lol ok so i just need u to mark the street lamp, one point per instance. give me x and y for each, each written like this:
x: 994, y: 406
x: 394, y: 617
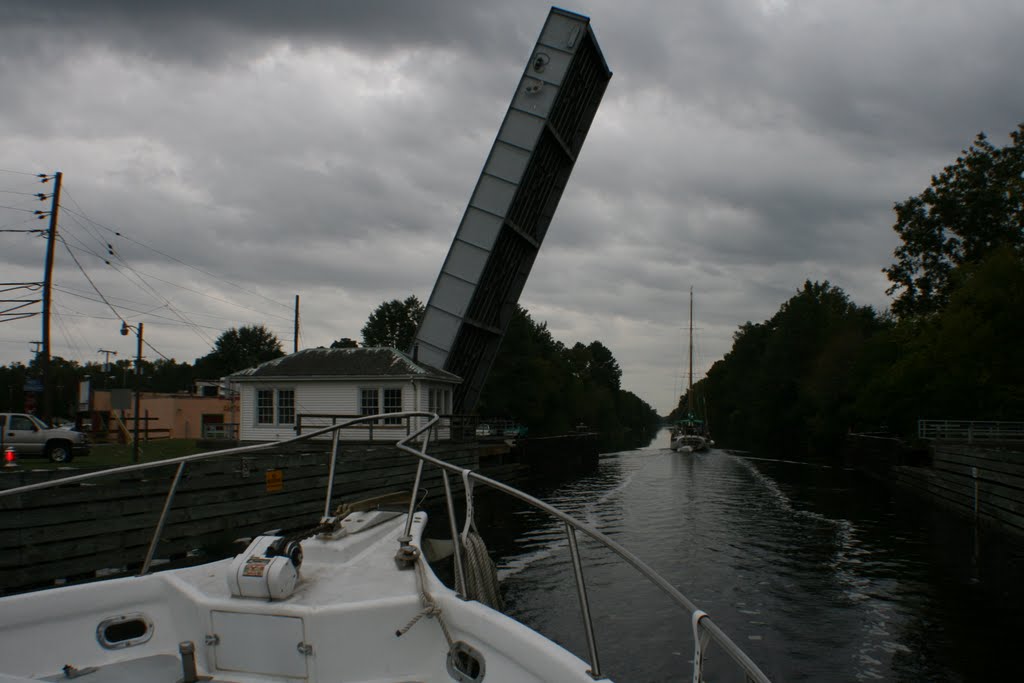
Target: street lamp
x: 125, y: 327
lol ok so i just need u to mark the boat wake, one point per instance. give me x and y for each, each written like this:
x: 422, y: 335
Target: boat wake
x: 550, y: 538
x: 877, y: 643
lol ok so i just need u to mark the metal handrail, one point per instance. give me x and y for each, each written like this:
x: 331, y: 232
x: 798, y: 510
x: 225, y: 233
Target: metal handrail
x: 700, y: 619
x: 741, y: 658
x: 971, y: 430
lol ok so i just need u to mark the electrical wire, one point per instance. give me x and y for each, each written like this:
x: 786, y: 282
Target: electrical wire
x: 67, y: 337
x: 172, y: 258
x: 179, y: 286
x: 97, y: 289
x: 141, y: 281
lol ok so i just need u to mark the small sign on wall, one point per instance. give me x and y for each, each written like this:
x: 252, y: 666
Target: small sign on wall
x: 275, y: 481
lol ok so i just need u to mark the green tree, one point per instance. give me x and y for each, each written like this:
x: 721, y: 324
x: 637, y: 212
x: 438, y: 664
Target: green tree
x: 595, y: 364
x: 967, y: 360
x: 238, y: 349
x: 394, y: 323
x: 974, y: 206
x: 792, y: 381
x: 168, y: 376
x: 541, y: 383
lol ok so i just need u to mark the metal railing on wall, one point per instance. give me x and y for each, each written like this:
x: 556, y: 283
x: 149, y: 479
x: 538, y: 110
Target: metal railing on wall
x: 447, y: 427
x: 970, y: 430
x: 227, y: 431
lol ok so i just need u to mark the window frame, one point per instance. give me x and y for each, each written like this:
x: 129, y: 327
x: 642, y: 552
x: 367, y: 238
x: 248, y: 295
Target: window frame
x: 392, y: 408
x: 278, y: 408
x: 380, y: 403
x: 272, y: 410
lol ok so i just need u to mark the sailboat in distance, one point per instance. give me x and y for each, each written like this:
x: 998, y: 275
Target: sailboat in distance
x: 690, y: 434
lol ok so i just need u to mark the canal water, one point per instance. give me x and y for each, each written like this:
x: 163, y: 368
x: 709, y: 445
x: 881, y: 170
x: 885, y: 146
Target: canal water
x: 818, y: 573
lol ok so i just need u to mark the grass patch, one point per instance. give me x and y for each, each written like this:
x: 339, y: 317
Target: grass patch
x: 114, y: 454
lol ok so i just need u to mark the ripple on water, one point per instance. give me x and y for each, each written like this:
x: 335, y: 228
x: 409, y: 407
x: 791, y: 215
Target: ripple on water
x: 835, y: 593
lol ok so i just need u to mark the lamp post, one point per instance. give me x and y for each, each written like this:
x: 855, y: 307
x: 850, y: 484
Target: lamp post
x: 125, y: 327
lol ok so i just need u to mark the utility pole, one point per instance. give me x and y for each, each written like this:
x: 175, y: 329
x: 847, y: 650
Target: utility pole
x: 125, y: 329
x: 51, y: 240
x: 106, y: 362
x: 138, y: 397
x: 295, y: 346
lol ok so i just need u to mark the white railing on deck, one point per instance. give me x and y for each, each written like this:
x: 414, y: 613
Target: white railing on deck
x: 705, y: 630
x: 970, y: 430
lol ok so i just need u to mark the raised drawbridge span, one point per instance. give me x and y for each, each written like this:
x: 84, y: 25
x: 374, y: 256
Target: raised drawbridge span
x: 513, y: 203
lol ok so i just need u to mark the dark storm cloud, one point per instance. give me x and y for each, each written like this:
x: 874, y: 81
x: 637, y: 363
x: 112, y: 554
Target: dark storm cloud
x: 329, y: 149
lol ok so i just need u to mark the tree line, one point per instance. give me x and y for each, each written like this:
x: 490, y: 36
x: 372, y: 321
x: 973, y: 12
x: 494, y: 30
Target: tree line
x: 949, y: 347
x: 537, y: 381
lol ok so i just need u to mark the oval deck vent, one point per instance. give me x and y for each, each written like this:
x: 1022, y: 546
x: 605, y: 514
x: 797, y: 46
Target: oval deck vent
x: 124, y: 631
x: 465, y: 664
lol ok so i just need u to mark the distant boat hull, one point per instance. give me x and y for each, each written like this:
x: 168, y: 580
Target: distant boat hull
x: 690, y: 443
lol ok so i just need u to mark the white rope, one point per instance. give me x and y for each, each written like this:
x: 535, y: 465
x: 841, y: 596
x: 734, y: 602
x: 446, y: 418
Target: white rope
x: 467, y: 483
x: 430, y: 609
x: 480, y: 582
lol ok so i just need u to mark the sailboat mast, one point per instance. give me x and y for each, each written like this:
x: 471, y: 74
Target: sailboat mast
x: 689, y: 390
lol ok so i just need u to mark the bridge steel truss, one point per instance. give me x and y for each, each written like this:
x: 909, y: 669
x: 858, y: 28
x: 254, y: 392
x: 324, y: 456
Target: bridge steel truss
x: 511, y: 208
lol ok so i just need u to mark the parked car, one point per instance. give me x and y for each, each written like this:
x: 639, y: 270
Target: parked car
x: 516, y: 431
x: 483, y: 430
x: 30, y: 436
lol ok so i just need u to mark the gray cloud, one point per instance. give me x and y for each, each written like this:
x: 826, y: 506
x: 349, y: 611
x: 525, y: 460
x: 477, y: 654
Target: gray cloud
x: 329, y: 149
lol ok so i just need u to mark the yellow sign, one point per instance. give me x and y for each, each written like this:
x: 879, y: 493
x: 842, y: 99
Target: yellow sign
x: 275, y: 481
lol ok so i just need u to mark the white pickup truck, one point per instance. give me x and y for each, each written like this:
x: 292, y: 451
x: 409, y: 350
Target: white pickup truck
x: 31, y: 436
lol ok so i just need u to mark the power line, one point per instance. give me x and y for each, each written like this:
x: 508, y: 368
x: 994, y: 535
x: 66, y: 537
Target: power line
x: 173, y: 284
x: 78, y: 293
x: 167, y: 303
x: 198, y: 329
x: 149, y: 313
x: 177, y: 260
x: 67, y: 337
x: 186, y: 322
x: 97, y: 289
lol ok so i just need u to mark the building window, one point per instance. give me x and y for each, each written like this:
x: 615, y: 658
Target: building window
x: 380, y: 400
x: 392, y: 404
x: 264, y: 406
x: 369, y: 402
x: 439, y: 401
x: 286, y: 406
x: 275, y: 406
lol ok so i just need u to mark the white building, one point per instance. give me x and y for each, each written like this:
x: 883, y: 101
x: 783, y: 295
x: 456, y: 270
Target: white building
x: 318, y: 386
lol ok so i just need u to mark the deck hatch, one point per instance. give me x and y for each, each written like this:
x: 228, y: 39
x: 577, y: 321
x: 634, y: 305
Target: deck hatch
x: 262, y: 644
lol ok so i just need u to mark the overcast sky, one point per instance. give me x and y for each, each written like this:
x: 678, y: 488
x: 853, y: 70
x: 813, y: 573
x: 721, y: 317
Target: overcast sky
x: 250, y: 151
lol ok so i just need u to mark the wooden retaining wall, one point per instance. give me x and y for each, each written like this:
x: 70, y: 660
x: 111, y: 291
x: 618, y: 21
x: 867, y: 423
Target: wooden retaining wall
x: 985, y: 483
x: 74, y: 532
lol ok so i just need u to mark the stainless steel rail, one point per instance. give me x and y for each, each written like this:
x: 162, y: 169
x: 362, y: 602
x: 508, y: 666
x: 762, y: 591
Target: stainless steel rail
x: 752, y: 671
x: 970, y: 430
x: 700, y: 619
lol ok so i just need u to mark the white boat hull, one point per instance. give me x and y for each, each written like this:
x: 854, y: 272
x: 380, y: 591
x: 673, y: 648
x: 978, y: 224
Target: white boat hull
x: 689, y: 443
x: 339, y: 625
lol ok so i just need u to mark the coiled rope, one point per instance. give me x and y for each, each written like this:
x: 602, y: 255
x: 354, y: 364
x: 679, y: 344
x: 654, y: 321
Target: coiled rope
x: 479, y: 580
x: 480, y: 576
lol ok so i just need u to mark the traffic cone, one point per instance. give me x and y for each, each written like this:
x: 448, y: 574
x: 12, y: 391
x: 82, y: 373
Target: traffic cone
x: 10, y: 457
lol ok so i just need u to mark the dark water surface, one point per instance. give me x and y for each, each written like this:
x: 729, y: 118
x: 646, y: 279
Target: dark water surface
x: 819, y: 574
